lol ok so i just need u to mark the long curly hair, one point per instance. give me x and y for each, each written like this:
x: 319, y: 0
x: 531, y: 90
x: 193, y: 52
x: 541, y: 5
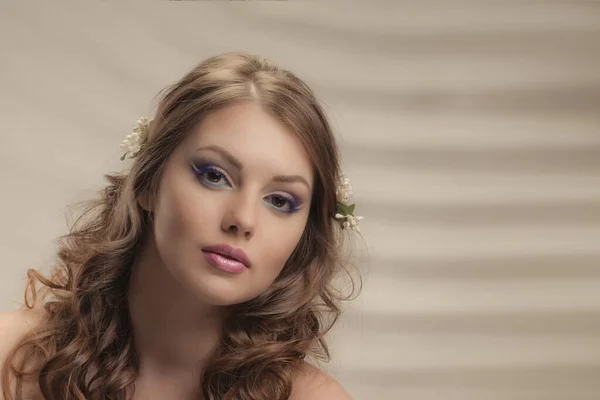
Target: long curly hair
x: 84, y: 348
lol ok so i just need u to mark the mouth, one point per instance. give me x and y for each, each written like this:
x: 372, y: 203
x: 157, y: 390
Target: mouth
x: 229, y: 253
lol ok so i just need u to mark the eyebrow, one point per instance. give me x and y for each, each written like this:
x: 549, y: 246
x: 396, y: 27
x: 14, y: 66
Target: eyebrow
x: 291, y: 179
x: 225, y: 154
x: 231, y: 159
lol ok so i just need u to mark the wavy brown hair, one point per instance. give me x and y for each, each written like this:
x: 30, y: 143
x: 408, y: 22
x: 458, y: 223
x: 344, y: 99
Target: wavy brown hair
x: 84, y: 348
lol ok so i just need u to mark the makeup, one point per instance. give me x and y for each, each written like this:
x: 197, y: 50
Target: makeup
x: 226, y: 258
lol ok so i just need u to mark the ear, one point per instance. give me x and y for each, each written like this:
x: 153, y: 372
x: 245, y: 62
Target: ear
x: 144, y: 202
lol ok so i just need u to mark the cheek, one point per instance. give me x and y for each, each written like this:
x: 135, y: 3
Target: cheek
x: 183, y: 212
x: 279, y: 245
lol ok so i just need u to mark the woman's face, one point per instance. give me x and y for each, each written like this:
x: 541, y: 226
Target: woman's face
x: 241, y: 180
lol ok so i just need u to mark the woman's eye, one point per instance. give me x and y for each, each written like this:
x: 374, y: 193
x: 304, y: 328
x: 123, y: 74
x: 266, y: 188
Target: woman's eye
x: 210, y: 175
x: 213, y: 176
x: 282, y: 203
x: 278, y: 201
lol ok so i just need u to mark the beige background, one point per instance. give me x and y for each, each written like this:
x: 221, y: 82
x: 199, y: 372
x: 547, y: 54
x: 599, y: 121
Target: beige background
x: 470, y: 130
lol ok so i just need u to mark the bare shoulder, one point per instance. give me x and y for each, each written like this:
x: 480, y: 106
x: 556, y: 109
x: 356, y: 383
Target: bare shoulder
x: 312, y: 383
x: 14, y: 325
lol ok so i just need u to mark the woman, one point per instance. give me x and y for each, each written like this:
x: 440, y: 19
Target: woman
x: 206, y: 271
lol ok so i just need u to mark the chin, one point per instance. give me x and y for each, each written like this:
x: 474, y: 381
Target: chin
x: 221, y: 292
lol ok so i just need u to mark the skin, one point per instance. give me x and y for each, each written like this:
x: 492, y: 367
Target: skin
x: 177, y: 299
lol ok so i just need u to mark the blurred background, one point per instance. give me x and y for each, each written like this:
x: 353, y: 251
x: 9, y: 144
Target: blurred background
x: 470, y: 131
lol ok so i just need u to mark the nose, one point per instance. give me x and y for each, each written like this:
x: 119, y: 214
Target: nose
x: 239, y: 218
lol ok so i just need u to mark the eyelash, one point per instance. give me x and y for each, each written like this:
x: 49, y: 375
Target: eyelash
x: 204, y: 169
x: 201, y: 170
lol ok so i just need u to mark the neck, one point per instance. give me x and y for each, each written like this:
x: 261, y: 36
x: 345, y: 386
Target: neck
x: 174, y: 334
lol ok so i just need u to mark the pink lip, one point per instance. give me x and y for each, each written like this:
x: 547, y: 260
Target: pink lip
x: 223, y: 263
x: 228, y: 251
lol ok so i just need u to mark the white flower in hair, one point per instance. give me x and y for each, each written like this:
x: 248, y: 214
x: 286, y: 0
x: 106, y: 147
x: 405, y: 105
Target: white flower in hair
x: 345, y: 212
x: 343, y: 190
x: 134, y: 142
x: 350, y: 221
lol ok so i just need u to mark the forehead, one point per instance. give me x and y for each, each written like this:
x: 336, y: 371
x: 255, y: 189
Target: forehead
x: 258, y: 139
